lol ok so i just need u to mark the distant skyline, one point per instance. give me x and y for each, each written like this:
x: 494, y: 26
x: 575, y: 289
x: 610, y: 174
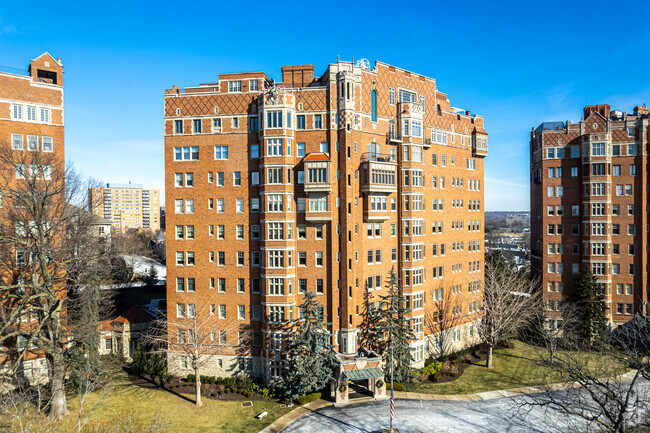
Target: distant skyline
x: 517, y: 64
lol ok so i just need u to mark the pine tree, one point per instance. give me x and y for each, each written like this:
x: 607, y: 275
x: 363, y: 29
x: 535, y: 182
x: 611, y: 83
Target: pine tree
x: 589, y: 297
x: 394, y: 330
x: 311, y: 356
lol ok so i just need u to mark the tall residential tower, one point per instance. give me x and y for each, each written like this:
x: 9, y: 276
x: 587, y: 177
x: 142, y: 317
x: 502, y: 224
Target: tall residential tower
x: 589, y: 207
x: 322, y: 184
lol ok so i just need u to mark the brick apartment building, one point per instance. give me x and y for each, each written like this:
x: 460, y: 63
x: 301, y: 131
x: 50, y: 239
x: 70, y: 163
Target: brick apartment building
x: 31, y: 120
x: 321, y: 184
x: 589, y: 207
x: 127, y: 206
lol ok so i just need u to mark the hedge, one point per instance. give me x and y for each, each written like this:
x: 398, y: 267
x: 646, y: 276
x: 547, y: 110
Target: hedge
x: 304, y: 399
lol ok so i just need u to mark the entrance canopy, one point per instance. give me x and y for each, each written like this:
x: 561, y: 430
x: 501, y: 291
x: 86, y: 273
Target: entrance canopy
x: 366, y: 373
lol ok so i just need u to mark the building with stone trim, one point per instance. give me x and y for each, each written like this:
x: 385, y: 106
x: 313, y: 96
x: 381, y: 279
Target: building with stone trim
x: 589, y: 207
x: 322, y: 184
x: 31, y: 120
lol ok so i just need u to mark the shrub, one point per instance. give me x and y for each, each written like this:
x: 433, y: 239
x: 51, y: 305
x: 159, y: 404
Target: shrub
x: 208, y: 380
x: 227, y: 390
x: 396, y: 386
x: 432, y: 368
x: 304, y: 399
x: 191, y: 378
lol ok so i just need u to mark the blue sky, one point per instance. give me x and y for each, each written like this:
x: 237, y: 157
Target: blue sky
x: 515, y: 63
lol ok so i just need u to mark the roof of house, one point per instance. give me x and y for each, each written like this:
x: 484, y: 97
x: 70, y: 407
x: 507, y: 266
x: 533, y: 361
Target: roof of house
x: 135, y: 314
x: 105, y: 325
x: 479, y: 130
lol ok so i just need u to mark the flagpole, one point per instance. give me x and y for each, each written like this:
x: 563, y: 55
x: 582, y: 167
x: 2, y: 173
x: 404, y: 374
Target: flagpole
x: 392, y: 401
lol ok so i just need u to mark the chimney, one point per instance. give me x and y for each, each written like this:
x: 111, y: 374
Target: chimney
x: 298, y: 75
x: 603, y: 109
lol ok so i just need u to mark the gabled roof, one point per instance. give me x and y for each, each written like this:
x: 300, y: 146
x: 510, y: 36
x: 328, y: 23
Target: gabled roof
x: 317, y: 157
x: 46, y: 54
x: 479, y: 130
x: 135, y: 314
x: 105, y: 325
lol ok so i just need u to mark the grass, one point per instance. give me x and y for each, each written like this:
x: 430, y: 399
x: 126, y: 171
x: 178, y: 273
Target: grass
x: 180, y: 412
x: 512, y: 368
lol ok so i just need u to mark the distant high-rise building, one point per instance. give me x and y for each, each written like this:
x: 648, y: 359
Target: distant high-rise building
x: 127, y: 206
x: 320, y: 184
x: 31, y: 122
x: 589, y: 207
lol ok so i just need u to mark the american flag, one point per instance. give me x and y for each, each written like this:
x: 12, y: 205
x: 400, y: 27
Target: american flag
x: 392, y: 404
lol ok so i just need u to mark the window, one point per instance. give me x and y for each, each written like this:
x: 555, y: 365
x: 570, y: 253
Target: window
x: 616, y: 170
x: 196, y: 126
x: 17, y: 141
x: 236, y: 178
x: 300, y: 120
x: 323, y: 147
x: 319, y: 258
x: 318, y: 203
x: 220, y: 152
x: 45, y: 115
x: 598, y: 149
x: 373, y: 105
x: 235, y: 122
x: 234, y: 86
x: 255, y: 151
x: 220, y: 205
x: 318, y: 121
x: 17, y: 112
x: 274, y: 119
x: 253, y: 124
x: 220, y: 178
x: 239, y: 205
x: 253, y: 86
x: 598, y: 169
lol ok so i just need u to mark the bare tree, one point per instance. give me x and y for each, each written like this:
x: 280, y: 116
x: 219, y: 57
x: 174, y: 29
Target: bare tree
x: 509, y: 303
x: 36, y: 189
x: 443, y: 318
x: 557, y: 332
x: 24, y: 410
x: 599, y: 393
x: 195, y: 336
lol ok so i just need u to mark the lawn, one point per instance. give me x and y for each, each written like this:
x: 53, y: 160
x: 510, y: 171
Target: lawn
x: 125, y: 399
x: 512, y: 368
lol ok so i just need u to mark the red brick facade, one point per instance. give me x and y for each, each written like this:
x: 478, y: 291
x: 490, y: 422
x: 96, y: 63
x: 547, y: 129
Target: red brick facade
x: 321, y: 183
x: 31, y: 119
x: 589, y: 207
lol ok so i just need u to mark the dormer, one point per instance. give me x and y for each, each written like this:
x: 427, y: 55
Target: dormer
x: 46, y: 69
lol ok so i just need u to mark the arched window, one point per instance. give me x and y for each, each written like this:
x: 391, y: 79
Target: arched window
x: 373, y: 99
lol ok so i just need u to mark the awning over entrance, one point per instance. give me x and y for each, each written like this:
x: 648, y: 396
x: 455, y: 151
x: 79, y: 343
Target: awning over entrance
x: 366, y: 373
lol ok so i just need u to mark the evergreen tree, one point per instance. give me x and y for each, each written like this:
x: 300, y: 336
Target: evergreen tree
x: 393, y: 328
x: 589, y: 297
x: 311, y: 356
x: 370, y: 335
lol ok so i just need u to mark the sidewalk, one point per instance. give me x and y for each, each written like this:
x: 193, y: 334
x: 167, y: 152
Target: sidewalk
x: 287, y: 419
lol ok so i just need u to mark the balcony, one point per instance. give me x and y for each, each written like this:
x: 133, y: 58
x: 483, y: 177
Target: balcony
x: 317, y: 168
x: 378, y: 173
x: 393, y: 137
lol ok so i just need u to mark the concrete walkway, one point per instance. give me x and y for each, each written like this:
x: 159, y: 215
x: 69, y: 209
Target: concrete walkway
x: 409, y: 401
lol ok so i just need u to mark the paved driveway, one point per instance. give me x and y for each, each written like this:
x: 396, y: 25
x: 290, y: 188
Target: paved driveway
x: 439, y: 416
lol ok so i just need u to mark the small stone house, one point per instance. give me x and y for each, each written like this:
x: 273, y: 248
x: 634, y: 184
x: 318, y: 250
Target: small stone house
x: 121, y: 335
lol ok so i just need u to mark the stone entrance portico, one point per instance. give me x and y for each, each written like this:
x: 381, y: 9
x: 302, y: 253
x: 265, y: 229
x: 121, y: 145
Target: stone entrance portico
x: 363, y: 368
